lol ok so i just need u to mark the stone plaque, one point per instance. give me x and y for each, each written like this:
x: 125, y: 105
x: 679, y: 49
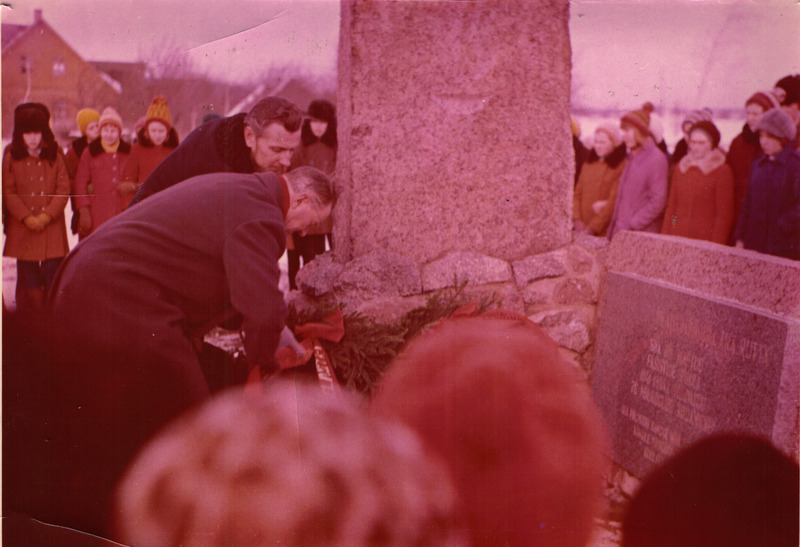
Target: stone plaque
x: 673, y: 366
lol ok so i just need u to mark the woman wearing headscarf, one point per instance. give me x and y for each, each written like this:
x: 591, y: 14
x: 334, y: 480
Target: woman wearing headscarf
x: 596, y: 191
x: 700, y: 204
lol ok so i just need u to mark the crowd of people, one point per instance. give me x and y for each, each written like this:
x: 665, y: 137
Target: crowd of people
x: 747, y: 196
x: 177, y: 237
x: 101, y: 174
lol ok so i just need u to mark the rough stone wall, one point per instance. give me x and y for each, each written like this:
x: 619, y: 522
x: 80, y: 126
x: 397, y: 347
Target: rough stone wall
x: 456, y: 164
x: 454, y: 129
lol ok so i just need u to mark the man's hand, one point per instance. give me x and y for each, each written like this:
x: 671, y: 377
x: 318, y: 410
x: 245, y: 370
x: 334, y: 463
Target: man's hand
x: 45, y: 219
x: 739, y: 244
x: 288, y: 340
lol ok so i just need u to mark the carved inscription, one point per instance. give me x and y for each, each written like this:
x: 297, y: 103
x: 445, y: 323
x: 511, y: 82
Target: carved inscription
x: 673, y: 366
x: 671, y: 380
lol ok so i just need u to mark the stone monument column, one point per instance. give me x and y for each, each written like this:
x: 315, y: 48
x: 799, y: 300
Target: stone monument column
x: 454, y: 129
x: 456, y: 165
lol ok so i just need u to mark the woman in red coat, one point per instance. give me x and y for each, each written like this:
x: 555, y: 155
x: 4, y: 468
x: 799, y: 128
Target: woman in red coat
x: 35, y: 193
x: 700, y: 203
x: 156, y: 140
x: 99, y: 173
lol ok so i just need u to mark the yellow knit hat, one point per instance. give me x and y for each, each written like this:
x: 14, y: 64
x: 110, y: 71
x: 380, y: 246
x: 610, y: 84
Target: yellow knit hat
x: 159, y: 111
x: 85, y: 117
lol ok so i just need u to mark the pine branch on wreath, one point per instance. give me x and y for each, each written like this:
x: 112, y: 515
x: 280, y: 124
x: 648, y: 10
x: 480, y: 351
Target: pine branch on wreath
x: 367, y: 348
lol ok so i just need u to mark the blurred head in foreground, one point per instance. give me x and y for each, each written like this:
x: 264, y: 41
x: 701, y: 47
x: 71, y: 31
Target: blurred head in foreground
x: 294, y: 467
x: 731, y: 490
x: 514, y: 422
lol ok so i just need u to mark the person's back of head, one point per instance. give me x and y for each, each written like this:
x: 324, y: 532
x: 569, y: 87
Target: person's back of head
x: 274, y: 110
x: 307, y: 179
x: 293, y: 466
x: 727, y: 490
x: 514, y: 422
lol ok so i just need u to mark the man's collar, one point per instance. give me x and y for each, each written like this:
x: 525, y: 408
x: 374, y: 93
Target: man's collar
x: 286, y: 198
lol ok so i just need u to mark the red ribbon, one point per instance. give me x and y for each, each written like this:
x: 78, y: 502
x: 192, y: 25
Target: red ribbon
x: 332, y: 328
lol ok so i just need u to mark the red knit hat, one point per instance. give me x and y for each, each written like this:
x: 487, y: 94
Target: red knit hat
x: 513, y: 421
x: 640, y: 119
x: 765, y: 99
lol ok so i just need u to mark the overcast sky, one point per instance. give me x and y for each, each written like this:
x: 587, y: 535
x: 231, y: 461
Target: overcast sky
x: 671, y: 52
x: 233, y: 39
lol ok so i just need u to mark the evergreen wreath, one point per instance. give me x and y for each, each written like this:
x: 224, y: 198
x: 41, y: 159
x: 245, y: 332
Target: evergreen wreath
x: 362, y: 356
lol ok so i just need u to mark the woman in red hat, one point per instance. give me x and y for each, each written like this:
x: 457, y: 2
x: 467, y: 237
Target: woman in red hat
x: 35, y: 193
x: 156, y: 139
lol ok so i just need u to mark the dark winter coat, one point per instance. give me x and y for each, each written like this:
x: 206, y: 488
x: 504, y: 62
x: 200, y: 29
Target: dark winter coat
x: 770, y: 218
x: 744, y: 149
x: 99, y: 173
x: 124, y: 302
x: 216, y: 146
x: 598, y: 181
x: 642, y: 193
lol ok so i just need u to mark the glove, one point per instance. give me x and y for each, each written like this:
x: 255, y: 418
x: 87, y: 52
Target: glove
x: 32, y: 222
x: 127, y: 188
x: 85, y: 221
x: 45, y: 219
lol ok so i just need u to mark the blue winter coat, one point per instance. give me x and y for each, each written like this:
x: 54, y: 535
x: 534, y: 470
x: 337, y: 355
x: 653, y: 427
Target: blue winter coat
x: 770, y: 218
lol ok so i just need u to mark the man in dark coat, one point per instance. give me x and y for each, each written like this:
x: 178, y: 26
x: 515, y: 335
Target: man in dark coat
x: 262, y: 140
x: 125, y: 306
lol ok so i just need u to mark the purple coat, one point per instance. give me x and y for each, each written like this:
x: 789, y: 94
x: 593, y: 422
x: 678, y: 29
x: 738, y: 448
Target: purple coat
x: 642, y: 194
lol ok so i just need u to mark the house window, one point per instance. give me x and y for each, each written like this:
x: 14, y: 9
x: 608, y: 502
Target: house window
x: 60, y: 110
x: 59, y: 67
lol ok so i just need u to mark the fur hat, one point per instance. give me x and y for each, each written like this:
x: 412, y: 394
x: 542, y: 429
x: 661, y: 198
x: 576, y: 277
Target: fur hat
x: 85, y: 117
x: 777, y: 123
x: 111, y: 116
x: 612, y: 131
x: 640, y: 119
x: 31, y: 118
x: 765, y: 99
x: 709, y: 129
x: 159, y: 112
